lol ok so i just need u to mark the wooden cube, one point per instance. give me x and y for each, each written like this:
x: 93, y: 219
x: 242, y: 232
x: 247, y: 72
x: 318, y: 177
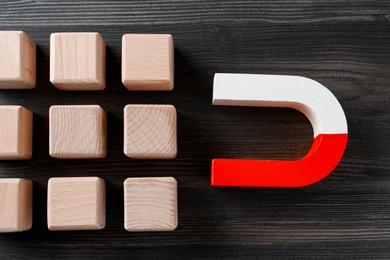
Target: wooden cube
x: 147, y: 61
x: 76, y: 203
x: 15, y: 133
x: 77, y: 132
x: 18, y: 60
x: 77, y: 61
x: 150, y: 204
x: 150, y: 131
x: 15, y: 205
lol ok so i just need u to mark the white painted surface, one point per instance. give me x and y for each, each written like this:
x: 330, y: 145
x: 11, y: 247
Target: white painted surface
x: 314, y: 100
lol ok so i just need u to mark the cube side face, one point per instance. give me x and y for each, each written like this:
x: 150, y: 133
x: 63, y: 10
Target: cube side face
x: 100, y: 218
x: 15, y: 205
x: 76, y: 203
x: 77, y: 61
x: 150, y: 204
x: 26, y: 196
x: 148, y: 61
x: 29, y: 68
x: 100, y: 63
x: 26, y: 133
x: 18, y: 62
x: 77, y: 132
x: 150, y: 131
x: 15, y: 133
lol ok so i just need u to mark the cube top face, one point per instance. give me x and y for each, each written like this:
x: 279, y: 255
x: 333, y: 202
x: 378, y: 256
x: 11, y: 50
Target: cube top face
x: 10, y: 51
x: 77, y: 61
x: 15, y: 205
x: 150, y: 204
x: 76, y: 203
x: 77, y: 132
x: 15, y: 133
x: 150, y: 131
x: 148, y: 61
x: 18, y: 60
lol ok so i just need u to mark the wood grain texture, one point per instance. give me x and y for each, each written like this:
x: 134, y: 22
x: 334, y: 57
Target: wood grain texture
x: 150, y: 131
x: 341, y: 44
x: 77, y: 132
x: 15, y: 204
x: 77, y: 203
x: 147, y: 61
x: 18, y: 60
x: 77, y: 61
x: 16, y: 133
x: 150, y: 204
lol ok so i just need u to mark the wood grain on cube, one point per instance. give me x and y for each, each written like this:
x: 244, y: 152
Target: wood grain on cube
x: 17, y: 60
x: 15, y: 133
x: 77, y: 61
x: 147, y: 61
x: 15, y: 205
x: 77, y: 132
x: 150, y: 131
x: 150, y: 204
x: 76, y: 203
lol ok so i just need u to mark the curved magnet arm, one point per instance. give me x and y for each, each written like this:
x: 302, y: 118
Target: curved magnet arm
x: 308, y: 96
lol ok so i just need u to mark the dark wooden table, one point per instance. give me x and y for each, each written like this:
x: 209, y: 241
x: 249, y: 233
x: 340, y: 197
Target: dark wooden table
x: 345, y: 45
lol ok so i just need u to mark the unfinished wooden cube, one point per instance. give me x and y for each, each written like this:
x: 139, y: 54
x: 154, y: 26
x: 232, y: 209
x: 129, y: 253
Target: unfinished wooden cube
x: 15, y: 133
x: 147, y: 61
x: 18, y: 60
x: 76, y: 203
x: 150, y: 204
x: 15, y: 205
x: 150, y: 131
x: 77, y: 132
x: 77, y: 61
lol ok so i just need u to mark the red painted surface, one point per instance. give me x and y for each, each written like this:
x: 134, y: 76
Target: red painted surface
x: 323, y: 157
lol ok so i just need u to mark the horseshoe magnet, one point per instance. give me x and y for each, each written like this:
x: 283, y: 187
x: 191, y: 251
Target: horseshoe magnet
x: 311, y: 98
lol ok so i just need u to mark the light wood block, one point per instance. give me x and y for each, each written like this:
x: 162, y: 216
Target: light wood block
x: 150, y: 204
x: 77, y: 61
x: 76, y: 203
x: 77, y: 132
x: 15, y: 205
x: 150, y: 131
x: 147, y: 61
x: 18, y: 60
x: 15, y: 133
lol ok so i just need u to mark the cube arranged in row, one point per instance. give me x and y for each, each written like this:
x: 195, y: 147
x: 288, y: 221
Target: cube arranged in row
x: 150, y: 204
x: 78, y: 61
x: 18, y: 60
x: 80, y: 131
x: 77, y: 132
x: 147, y: 61
x: 150, y: 131
x: 15, y: 205
x: 79, y: 203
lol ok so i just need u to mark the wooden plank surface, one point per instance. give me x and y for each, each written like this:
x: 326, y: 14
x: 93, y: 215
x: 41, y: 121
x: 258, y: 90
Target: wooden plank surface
x: 342, y: 44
